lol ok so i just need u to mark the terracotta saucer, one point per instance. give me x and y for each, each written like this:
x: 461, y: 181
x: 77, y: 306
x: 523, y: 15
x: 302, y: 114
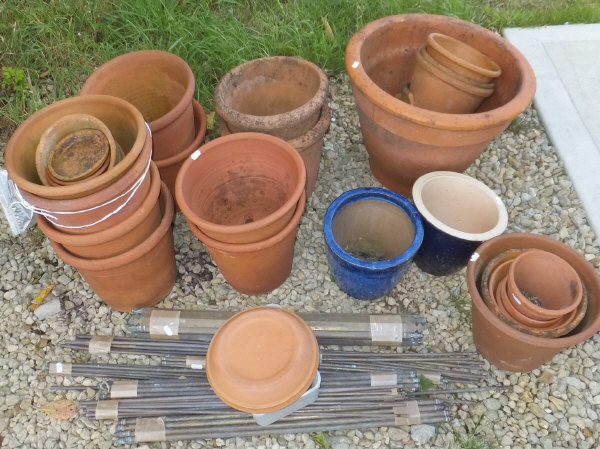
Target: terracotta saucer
x: 262, y: 359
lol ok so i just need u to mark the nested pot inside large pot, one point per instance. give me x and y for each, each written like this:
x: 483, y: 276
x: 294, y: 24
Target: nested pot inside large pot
x: 404, y: 141
x: 278, y: 95
x: 158, y: 83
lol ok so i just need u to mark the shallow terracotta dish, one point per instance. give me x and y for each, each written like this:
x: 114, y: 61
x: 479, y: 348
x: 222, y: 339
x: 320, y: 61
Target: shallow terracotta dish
x: 262, y: 359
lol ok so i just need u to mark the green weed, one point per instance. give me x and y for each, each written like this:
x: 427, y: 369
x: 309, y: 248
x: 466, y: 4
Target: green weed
x: 472, y: 439
x: 461, y: 303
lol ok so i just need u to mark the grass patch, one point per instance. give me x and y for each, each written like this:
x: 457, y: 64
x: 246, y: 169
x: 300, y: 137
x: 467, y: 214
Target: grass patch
x: 472, y: 439
x: 460, y: 302
x: 58, y: 43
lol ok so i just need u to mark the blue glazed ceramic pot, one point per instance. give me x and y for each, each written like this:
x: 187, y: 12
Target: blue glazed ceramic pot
x: 372, y: 235
x: 459, y: 213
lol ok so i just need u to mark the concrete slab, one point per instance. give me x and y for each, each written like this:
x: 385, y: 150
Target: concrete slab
x: 566, y: 62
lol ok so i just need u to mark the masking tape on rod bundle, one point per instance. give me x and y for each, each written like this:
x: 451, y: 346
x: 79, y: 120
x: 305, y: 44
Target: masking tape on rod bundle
x: 124, y: 389
x: 100, y: 344
x: 164, y: 323
x: 410, y: 413
x: 386, y: 329
x: 108, y: 409
x: 195, y: 362
x: 150, y: 429
x: 62, y: 369
x: 384, y: 379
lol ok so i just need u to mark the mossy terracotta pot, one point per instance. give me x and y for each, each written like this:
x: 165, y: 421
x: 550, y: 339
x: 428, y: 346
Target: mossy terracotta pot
x: 372, y: 236
x: 278, y: 95
x: 462, y: 58
x: 309, y: 147
x: 242, y: 188
x: 125, y: 235
x: 170, y: 166
x: 260, y: 267
x: 159, y: 84
x: 404, y: 141
x: 438, y: 89
x: 501, y: 344
x: 459, y: 213
x: 124, y: 121
x: 139, y: 277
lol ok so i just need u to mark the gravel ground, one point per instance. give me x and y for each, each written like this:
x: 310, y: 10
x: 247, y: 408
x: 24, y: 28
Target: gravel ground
x: 555, y: 406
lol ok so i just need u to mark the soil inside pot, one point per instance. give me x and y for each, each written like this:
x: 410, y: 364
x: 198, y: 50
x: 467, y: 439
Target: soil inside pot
x: 373, y: 230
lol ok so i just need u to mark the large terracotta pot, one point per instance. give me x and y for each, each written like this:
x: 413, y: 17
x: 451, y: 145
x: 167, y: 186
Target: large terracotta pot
x: 278, y: 95
x: 405, y: 142
x: 139, y: 277
x: 125, y: 235
x: 158, y: 83
x: 506, y: 347
x: 124, y: 121
x: 170, y: 166
x: 308, y: 145
x: 241, y: 188
x: 260, y: 267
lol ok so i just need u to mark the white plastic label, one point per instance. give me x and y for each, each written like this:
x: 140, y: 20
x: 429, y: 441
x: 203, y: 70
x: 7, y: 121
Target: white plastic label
x: 15, y: 208
x: 196, y: 154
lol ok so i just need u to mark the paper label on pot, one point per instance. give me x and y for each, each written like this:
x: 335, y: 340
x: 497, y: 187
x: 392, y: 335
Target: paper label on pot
x: 149, y: 429
x: 108, y: 409
x: 17, y: 211
x: 100, y: 344
x: 474, y: 257
x: 164, y: 323
x: 386, y: 329
x: 124, y: 389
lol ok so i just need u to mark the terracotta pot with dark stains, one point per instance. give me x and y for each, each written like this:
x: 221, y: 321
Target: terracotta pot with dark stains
x: 158, y: 83
x: 278, y: 95
x: 260, y: 267
x: 125, y: 235
x: 124, y: 121
x: 241, y: 188
x: 544, y: 276
x: 438, y: 89
x: 404, y: 141
x: 170, y: 166
x: 139, y: 277
x: 462, y: 58
x: 506, y: 347
x: 308, y: 145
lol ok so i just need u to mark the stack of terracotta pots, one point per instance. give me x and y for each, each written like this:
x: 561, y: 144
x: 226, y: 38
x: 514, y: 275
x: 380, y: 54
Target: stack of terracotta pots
x: 451, y: 76
x: 281, y: 96
x: 110, y: 221
x: 532, y: 296
x: 243, y: 196
x: 161, y: 86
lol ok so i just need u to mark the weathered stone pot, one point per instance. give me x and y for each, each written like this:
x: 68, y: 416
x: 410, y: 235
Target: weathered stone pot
x: 158, y: 83
x: 404, y: 141
x: 501, y: 344
x: 278, y: 95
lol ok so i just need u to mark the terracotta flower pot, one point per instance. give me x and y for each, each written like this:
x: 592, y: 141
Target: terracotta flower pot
x: 459, y: 212
x: 125, y: 235
x: 256, y: 268
x: 405, y: 142
x: 440, y: 90
x: 278, y: 95
x: 308, y: 145
x: 506, y: 347
x: 241, y: 188
x: 462, y: 58
x: 169, y: 167
x: 105, y: 208
x: 124, y: 121
x: 548, y: 278
x: 139, y: 277
x: 74, y: 148
x: 161, y: 85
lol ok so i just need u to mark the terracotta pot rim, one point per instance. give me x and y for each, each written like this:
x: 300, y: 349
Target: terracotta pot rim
x: 373, y: 193
x: 477, y: 301
x: 432, y: 119
x: 93, y: 184
x: 218, y: 145
x: 498, y: 228
x: 432, y: 39
x: 255, y: 246
x: 200, y: 116
x: 106, y: 235
x: 454, y: 80
x: 272, y: 121
x: 148, y: 56
x: 130, y: 255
